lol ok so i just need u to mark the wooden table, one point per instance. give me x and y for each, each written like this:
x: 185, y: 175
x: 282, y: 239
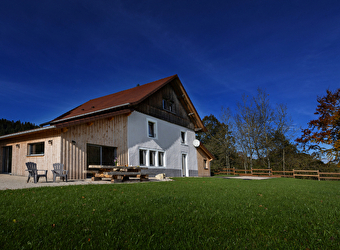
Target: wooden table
x: 117, y: 173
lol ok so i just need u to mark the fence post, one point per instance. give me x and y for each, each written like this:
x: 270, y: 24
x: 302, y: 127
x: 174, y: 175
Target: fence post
x: 318, y: 175
x: 293, y: 173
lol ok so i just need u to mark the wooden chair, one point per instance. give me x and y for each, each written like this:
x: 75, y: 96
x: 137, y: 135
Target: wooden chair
x: 33, y: 172
x: 58, y: 171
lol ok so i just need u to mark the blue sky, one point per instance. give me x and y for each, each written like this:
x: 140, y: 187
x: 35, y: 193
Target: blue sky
x: 56, y: 55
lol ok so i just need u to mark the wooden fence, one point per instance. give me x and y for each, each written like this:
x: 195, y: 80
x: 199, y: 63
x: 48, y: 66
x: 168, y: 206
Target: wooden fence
x: 273, y: 173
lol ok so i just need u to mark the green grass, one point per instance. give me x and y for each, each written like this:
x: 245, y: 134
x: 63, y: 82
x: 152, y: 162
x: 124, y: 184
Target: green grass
x: 188, y: 213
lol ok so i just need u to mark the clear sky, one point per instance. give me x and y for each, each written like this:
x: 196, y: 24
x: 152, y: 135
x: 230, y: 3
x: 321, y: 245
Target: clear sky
x: 58, y: 54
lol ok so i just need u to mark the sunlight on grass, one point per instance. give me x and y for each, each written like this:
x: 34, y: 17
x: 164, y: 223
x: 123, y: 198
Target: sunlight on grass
x: 188, y: 213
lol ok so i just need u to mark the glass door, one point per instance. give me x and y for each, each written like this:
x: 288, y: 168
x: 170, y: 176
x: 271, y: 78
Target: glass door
x: 7, y: 160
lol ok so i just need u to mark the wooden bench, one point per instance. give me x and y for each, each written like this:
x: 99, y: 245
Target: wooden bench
x: 118, y: 174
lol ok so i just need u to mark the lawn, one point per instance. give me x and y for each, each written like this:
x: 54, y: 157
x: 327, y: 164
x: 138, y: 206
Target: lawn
x: 188, y: 213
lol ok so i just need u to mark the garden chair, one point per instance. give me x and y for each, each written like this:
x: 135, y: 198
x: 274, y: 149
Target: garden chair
x: 34, y: 172
x: 58, y: 171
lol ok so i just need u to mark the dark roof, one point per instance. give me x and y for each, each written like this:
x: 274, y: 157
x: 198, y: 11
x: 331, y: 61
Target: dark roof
x: 123, y: 102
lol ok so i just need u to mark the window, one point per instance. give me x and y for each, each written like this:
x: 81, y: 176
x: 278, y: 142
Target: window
x: 205, y: 164
x: 184, y: 165
x: 36, y: 148
x: 168, y: 105
x: 160, y: 159
x: 142, y: 157
x: 183, y: 137
x: 101, y: 155
x: 152, y: 158
x: 151, y: 128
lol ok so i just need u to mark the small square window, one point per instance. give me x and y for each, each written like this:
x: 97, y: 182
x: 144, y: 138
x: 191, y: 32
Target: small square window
x: 168, y: 105
x: 142, y: 157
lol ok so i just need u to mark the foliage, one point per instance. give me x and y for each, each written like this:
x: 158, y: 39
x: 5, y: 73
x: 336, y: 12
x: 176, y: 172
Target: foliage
x: 9, y: 127
x: 325, y: 129
x: 188, y: 213
x: 219, y: 141
x: 248, y: 138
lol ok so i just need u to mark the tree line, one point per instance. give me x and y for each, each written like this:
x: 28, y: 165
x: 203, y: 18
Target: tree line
x: 259, y: 135
x: 9, y: 127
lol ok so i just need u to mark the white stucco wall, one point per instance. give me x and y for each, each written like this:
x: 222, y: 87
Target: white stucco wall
x: 168, y: 140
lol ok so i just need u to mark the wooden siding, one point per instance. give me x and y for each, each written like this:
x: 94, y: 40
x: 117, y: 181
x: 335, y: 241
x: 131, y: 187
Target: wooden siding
x: 20, y: 154
x: 153, y: 106
x: 201, y: 156
x: 104, y: 132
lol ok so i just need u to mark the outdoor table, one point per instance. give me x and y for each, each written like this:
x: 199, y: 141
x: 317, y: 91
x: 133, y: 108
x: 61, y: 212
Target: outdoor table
x: 117, y: 173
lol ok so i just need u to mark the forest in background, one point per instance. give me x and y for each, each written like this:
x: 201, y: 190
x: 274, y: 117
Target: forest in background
x: 10, y: 127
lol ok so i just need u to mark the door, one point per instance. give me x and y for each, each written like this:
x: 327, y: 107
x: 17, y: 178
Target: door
x: 184, y: 165
x: 7, y: 160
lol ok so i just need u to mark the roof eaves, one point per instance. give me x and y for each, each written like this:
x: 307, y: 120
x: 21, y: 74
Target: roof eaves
x: 27, y: 132
x: 207, y: 152
x: 192, y: 110
x: 90, y: 113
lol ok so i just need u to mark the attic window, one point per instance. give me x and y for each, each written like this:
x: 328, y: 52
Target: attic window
x: 168, y: 105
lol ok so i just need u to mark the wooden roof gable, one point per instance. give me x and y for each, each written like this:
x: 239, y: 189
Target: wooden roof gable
x: 124, y: 102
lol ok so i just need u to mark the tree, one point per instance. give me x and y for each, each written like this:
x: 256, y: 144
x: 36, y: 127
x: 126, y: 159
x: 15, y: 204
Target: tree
x: 247, y: 132
x: 323, y: 134
x: 218, y: 140
x: 9, y: 127
x: 257, y: 122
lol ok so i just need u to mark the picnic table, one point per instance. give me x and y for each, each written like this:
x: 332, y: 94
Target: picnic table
x: 117, y: 173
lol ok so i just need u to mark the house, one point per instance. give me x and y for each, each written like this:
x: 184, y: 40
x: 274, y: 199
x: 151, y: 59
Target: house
x: 152, y: 125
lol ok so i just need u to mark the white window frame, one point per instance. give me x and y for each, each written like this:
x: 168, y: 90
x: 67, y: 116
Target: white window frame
x: 146, y: 156
x: 154, y: 128
x: 153, y: 158
x: 186, y: 164
x: 161, y: 166
x: 185, y: 137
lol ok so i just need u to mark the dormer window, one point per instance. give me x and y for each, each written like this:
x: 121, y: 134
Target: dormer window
x: 168, y: 105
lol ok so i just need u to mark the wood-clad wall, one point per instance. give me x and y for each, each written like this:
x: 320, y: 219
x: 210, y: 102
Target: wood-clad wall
x: 154, y: 106
x: 202, y: 169
x: 105, y: 132
x: 20, y: 154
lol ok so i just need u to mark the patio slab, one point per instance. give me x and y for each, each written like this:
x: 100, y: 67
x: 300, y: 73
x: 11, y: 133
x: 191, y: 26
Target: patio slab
x: 8, y: 181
